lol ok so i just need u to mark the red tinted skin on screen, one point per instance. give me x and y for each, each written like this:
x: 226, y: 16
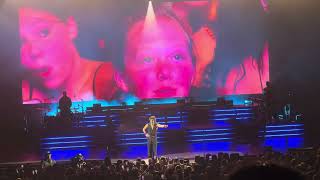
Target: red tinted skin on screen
x: 248, y: 78
x: 204, y: 41
x: 47, y: 49
x: 50, y: 57
x: 158, y: 64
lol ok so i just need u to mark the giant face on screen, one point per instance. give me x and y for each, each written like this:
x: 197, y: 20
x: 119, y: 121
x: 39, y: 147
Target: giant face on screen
x: 103, y: 50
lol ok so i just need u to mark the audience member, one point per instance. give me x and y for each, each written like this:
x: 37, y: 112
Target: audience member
x: 293, y: 165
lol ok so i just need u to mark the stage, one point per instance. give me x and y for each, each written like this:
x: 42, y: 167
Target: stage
x: 196, y: 128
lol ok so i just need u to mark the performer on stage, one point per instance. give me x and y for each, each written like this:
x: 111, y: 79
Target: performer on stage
x: 150, y: 131
x: 64, y: 106
x: 268, y: 101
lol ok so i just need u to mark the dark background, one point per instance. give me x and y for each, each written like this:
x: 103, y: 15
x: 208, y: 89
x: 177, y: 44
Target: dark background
x: 294, y: 28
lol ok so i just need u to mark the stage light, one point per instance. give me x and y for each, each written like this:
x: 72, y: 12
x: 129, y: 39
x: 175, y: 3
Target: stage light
x: 150, y: 20
x: 150, y: 24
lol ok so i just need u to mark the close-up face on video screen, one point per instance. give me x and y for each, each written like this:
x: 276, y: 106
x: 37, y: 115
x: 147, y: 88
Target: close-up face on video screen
x: 46, y: 47
x: 158, y: 63
x: 170, y: 50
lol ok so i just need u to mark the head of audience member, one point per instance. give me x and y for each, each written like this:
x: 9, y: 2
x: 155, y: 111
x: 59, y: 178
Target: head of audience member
x: 48, y: 156
x: 265, y: 173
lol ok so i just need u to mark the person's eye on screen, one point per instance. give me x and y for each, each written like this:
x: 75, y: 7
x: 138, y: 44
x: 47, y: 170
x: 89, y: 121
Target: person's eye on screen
x: 176, y: 57
x: 43, y: 33
x: 147, y: 60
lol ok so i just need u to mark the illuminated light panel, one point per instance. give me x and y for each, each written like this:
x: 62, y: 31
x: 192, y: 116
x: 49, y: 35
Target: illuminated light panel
x: 224, y: 114
x: 208, y: 130
x: 144, y: 138
x: 89, y: 117
x: 283, y: 135
x: 282, y: 130
x: 220, y: 119
x: 287, y: 125
x: 142, y: 143
x: 213, y: 139
x: 66, y: 137
x: 93, y: 121
x: 66, y: 147
x: 202, y: 135
x: 65, y: 142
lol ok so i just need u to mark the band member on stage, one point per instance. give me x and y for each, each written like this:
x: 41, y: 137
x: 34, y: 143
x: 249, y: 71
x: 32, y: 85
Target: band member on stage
x: 64, y: 106
x: 268, y: 101
x: 150, y: 131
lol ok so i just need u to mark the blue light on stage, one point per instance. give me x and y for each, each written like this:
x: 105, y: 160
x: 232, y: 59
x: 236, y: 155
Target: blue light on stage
x: 172, y: 122
x: 282, y: 144
x: 131, y: 134
x: 175, y: 117
x: 131, y: 100
x: 65, y: 142
x: 67, y: 154
x: 141, y: 143
x: 209, y: 139
x: 222, y: 110
x: 66, y: 137
x: 230, y: 114
x: 237, y: 99
x: 295, y: 142
x: 174, y: 126
x: 239, y: 118
x: 143, y: 138
x: 221, y: 119
x: 140, y: 151
x: 282, y: 130
x: 210, y: 146
x: 82, y: 106
x: 160, y: 119
x: 204, y: 135
x: 91, y: 117
x: 209, y: 130
x: 135, y: 151
x: 244, y: 109
x: 92, y: 121
x: 245, y: 113
x: 92, y: 126
x: 283, y: 135
x: 231, y: 110
x: 285, y: 125
x: 66, y: 147
x: 162, y: 101
x: 128, y: 139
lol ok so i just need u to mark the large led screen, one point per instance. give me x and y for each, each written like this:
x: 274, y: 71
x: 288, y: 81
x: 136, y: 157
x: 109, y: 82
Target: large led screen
x: 111, y: 50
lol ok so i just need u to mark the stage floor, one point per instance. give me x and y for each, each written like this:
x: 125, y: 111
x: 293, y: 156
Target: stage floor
x: 186, y: 155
